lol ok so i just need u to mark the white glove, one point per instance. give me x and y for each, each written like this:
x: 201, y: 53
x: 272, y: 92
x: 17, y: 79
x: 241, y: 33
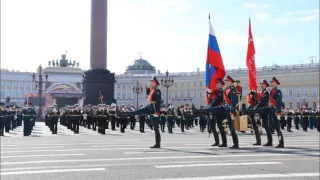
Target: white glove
x: 232, y: 117
x: 210, y: 116
x: 208, y: 91
x: 31, y: 119
x: 155, y: 115
x: 278, y: 116
x: 15, y: 117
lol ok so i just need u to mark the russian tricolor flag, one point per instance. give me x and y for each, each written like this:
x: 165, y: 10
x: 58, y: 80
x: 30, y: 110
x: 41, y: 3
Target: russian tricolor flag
x: 214, y: 64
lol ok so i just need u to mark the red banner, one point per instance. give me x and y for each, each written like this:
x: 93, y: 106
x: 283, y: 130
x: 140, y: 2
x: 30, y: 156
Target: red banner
x: 251, y: 65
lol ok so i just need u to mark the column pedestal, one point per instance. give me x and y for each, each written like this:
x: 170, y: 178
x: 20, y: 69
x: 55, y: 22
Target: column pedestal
x: 96, y: 81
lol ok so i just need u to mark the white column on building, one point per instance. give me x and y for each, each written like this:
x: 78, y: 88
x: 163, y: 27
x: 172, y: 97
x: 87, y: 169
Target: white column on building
x: 126, y: 91
x: 121, y: 86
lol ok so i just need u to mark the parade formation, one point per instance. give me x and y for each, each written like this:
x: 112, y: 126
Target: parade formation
x: 264, y: 109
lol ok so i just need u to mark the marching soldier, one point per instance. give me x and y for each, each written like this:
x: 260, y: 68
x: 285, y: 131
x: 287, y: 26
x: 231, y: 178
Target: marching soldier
x: 182, y: 118
x: 312, y: 118
x: 89, y: 115
x: 94, y: 118
x: 318, y: 119
x: 113, y: 118
x: 252, y: 102
x: 142, y: 120
x: 19, y: 117
x: 2, y: 119
x: 297, y: 114
x: 170, y: 115
x: 290, y: 115
x: 8, y: 119
x: 153, y: 109
x: 275, y: 107
x: 27, y: 115
x: 263, y: 109
x: 102, y: 120
x: 76, y: 115
x: 15, y: 117
x: 122, y: 120
x: 163, y: 114
x: 55, y: 113
x: 229, y: 109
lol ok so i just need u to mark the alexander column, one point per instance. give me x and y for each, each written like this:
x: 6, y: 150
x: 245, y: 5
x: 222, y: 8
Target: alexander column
x: 98, y: 80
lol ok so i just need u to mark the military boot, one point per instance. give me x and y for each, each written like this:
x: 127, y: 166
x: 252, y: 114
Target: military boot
x: 258, y: 139
x: 216, y: 139
x: 269, y: 137
x: 196, y: 111
x: 123, y: 114
x: 235, y: 140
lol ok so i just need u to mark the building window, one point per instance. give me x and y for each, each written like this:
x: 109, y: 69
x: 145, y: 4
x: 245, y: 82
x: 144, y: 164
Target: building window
x: 175, y: 84
x: 314, y: 105
x: 298, y: 105
x: 298, y: 89
x: 181, y: 94
x: 118, y: 96
x: 188, y: 94
x: 175, y: 95
x: 290, y: 91
x: 15, y: 95
x: 313, y: 77
x: 290, y: 105
x: 129, y: 96
x: 118, y: 85
x: 194, y: 84
x: 2, y: 85
x: 283, y: 90
x: 290, y: 78
x: 182, y: 84
x: 306, y: 78
x: 200, y: 83
x: 2, y: 94
x: 188, y: 84
x: 21, y: 85
x: 8, y: 84
x: 21, y: 94
x: 283, y: 78
x: 298, y: 78
x: 123, y: 95
x: 314, y: 90
x: 200, y: 94
x: 194, y: 94
x: 306, y: 91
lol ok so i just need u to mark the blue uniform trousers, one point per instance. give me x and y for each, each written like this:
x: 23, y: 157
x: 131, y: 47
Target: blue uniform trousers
x: 225, y: 110
x: 264, y: 113
x: 26, y: 125
x: 170, y: 123
x: 149, y: 110
x: 276, y: 125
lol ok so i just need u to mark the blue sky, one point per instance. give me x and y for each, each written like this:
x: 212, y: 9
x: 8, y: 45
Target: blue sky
x: 170, y: 34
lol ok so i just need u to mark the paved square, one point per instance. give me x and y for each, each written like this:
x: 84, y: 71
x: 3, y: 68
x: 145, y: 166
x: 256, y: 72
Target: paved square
x: 189, y: 155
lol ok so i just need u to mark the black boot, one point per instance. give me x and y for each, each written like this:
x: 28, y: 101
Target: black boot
x: 258, y: 138
x: 269, y: 137
x: 235, y: 140
x: 281, y: 142
x: 198, y: 112
x: 123, y: 114
x: 216, y: 139
x: 158, y: 140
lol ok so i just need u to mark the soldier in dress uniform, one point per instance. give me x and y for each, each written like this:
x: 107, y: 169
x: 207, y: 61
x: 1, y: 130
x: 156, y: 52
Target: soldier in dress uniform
x: 8, y: 119
x: 252, y: 100
x: 27, y: 118
x: 76, y: 115
x: 103, y: 120
x: 153, y: 109
x: 11, y: 117
x: 15, y: 117
x: 262, y: 109
x: 181, y: 117
x: 142, y: 120
x: 112, y: 113
x: 94, y: 117
x: 132, y: 118
x: 163, y: 115
x: 297, y: 114
x: 290, y: 114
x: 275, y: 107
x: 305, y: 119
x: 2, y: 118
x: 318, y: 119
x: 19, y: 118
x: 122, y: 120
x: 55, y: 113
x: 312, y: 118
x: 170, y: 115
x: 89, y: 115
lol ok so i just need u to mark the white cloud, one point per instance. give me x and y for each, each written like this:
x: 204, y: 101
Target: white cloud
x: 308, y: 18
x: 261, y: 16
x: 183, y: 9
x: 233, y: 38
x: 255, y: 5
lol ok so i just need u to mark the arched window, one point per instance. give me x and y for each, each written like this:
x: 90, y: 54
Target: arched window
x: 314, y: 91
x: 290, y: 91
x: 298, y: 91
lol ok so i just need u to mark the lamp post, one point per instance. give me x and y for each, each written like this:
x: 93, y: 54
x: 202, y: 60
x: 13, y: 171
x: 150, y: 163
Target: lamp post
x: 137, y: 90
x: 303, y: 101
x: 167, y: 82
x: 39, y: 84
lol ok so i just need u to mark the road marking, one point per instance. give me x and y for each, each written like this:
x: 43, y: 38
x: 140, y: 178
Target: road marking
x: 38, y: 147
x: 218, y: 164
x: 144, y: 158
x: 50, y: 171
x: 250, y: 176
x: 42, y: 155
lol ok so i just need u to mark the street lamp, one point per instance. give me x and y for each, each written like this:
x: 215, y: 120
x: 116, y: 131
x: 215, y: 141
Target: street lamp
x: 39, y: 84
x: 167, y: 82
x: 137, y: 90
x: 303, y: 101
